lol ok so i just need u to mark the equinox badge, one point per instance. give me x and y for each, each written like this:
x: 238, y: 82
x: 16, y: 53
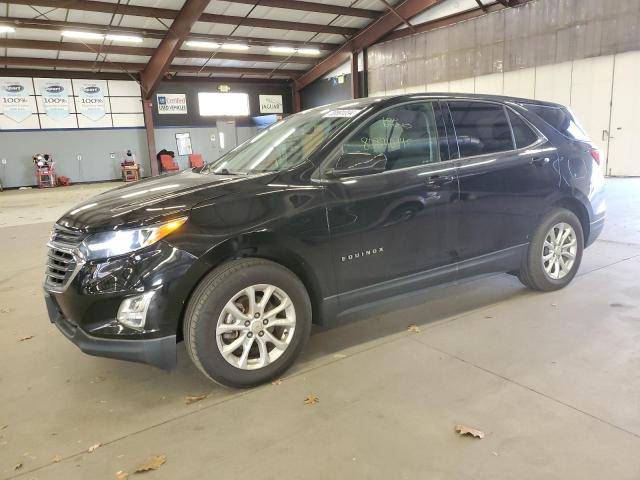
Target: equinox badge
x: 364, y: 253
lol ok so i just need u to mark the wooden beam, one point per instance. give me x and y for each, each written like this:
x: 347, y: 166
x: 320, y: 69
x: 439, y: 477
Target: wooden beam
x: 170, y: 45
x: 147, y: 112
x: 355, y: 78
x: 166, y: 13
x: 312, y: 7
x: 146, y: 51
x: 135, y: 68
x: 58, y: 25
x: 366, y: 37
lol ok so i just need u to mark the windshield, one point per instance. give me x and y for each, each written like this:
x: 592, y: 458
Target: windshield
x: 288, y: 142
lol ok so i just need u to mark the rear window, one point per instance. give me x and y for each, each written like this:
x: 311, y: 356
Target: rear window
x: 561, y: 119
x: 522, y: 132
x: 481, y: 128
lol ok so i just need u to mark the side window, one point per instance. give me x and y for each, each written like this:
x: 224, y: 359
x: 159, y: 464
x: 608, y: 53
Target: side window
x: 481, y: 128
x: 522, y: 133
x: 407, y: 135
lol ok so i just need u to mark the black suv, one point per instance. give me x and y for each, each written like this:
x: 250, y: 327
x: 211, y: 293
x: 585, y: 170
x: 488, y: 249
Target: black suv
x: 324, y: 212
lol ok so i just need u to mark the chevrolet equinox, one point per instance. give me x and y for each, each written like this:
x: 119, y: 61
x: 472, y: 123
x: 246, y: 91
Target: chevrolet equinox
x: 326, y: 211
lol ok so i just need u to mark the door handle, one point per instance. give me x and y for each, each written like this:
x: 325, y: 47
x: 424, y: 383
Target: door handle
x: 540, y: 161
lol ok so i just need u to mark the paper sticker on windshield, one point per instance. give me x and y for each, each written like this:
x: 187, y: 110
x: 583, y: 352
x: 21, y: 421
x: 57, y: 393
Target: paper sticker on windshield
x: 342, y: 113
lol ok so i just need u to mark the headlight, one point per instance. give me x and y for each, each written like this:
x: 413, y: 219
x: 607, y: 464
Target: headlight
x: 111, y: 244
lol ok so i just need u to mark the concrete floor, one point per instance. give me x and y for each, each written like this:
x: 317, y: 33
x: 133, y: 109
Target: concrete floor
x: 553, y: 379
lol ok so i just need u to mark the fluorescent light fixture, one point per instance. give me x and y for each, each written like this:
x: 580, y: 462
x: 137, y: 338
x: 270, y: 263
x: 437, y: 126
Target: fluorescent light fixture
x: 124, y: 38
x: 6, y: 29
x: 309, y: 51
x: 277, y: 49
x: 201, y: 44
x: 235, y: 46
x: 80, y: 34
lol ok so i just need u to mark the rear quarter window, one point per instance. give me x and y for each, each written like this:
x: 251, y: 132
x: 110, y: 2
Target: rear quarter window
x: 561, y: 119
x: 522, y: 133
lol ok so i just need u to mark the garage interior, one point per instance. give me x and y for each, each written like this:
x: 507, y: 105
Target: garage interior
x: 551, y: 379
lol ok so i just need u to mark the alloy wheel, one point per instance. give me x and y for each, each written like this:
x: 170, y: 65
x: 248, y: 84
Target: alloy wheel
x: 559, y: 251
x: 255, y: 327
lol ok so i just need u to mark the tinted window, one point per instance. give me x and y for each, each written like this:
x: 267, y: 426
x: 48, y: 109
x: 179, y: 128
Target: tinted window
x: 407, y: 135
x: 561, y: 119
x: 481, y: 128
x: 522, y: 133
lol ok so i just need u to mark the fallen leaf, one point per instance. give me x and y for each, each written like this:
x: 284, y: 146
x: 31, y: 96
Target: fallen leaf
x: 28, y: 337
x: 311, y: 400
x: 195, y: 398
x: 93, y: 448
x: 277, y: 382
x: 413, y: 328
x: 151, y: 463
x: 120, y: 475
x: 488, y: 316
x: 464, y: 430
x: 98, y: 380
x: 5, y: 310
x: 4, y: 426
x: 339, y: 355
x: 57, y: 459
x: 18, y: 466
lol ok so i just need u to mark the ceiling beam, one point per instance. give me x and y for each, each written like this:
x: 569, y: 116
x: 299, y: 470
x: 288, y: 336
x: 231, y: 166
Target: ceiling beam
x: 135, y: 68
x: 366, y: 37
x: 312, y: 7
x: 58, y: 25
x: 147, y: 51
x: 165, y: 13
x: 170, y: 45
x: 32, y: 72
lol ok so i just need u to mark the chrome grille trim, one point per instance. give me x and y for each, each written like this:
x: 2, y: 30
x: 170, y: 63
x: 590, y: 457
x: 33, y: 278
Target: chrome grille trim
x: 63, y: 261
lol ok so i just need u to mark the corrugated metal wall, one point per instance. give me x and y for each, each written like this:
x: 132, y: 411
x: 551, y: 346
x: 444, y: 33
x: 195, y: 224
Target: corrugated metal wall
x: 542, y: 32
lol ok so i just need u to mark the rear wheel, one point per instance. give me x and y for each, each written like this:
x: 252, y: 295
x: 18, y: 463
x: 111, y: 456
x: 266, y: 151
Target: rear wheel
x: 247, y: 322
x: 555, y: 252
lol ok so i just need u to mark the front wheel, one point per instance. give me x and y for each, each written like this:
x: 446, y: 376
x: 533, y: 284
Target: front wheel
x: 247, y: 322
x: 555, y: 252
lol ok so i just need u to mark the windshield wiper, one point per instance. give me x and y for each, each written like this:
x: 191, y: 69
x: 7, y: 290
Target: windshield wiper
x: 224, y: 171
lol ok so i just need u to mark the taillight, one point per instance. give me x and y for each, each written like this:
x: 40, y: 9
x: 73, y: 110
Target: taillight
x: 595, y: 153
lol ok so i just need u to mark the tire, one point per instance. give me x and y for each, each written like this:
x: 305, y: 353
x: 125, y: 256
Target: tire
x: 221, y: 303
x: 537, y: 271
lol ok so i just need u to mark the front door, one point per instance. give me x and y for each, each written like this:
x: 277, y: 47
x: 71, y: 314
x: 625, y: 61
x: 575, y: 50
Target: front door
x: 507, y: 172
x: 401, y: 222
x: 227, y: 138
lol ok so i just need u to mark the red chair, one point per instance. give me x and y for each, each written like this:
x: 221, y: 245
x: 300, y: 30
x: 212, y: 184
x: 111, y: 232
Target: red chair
x: 168, y: 164
x: 195, y: 160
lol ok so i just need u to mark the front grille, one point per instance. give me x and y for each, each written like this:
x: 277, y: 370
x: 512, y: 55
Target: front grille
x: 62, y: 263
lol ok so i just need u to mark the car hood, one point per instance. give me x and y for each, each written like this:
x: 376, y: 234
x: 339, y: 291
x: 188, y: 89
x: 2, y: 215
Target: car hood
x: 153, y: 200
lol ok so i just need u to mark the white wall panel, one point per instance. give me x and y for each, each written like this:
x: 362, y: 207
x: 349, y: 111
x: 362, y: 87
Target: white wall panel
x: 520, y: 83
x: 104, y: 122
x: 126, y: 105
x: 47, y: 122
x: 438, y: 87
x: 27, y: 124
x: 553, y: 83
x: 128, y: 120
x: 624, y: 143
x: 466, y: 85
x: 591, y: 97
x: 124, y: 88
x: 491, y: 84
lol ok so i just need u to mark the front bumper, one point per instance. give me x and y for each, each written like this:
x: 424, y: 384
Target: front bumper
x: 159, y: 352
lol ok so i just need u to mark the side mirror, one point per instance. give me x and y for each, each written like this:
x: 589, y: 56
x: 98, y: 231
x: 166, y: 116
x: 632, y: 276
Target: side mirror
x: 356, y: 164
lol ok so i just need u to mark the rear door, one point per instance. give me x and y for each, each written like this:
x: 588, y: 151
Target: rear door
x: 507, y: 171
x: 389, y: 225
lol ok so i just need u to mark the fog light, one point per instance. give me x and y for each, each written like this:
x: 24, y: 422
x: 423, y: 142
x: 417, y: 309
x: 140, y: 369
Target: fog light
x: 133, y: 310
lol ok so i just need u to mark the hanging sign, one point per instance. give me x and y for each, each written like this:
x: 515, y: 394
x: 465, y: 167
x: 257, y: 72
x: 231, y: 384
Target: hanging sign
x: 270, y: 103
x: 172, y: 103
x: 14, y: 97
x: 90, y: 101
x: 55, y: 97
